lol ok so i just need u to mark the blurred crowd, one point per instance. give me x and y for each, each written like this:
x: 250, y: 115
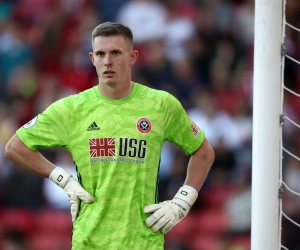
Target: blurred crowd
x: 201, y: 51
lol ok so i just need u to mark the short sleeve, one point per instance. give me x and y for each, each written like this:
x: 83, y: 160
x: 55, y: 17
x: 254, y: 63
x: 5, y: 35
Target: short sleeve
x: 180, y: 129
x: 49, y: 129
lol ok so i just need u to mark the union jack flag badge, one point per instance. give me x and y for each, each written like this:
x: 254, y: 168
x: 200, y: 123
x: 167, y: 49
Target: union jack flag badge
x: 195, y: 129
x: 101, y: 147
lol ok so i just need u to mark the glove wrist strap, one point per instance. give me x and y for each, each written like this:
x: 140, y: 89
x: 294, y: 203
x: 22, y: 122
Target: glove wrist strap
x: 187, y: 194
x: 59, y: 176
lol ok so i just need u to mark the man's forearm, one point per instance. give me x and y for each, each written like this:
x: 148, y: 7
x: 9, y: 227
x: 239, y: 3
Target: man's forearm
x: 16, y: 151
x: 199, y: 166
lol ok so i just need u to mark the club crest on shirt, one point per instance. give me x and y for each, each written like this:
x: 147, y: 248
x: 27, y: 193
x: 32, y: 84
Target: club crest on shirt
x: 195, y: 129
x: 144, y: 125
x: 31, y: 123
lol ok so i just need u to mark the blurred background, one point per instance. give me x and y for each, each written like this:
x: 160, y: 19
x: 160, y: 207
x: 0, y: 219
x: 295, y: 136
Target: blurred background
x: 201, y: 51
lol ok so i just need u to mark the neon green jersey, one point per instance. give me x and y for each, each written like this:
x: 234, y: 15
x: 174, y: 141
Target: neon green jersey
x: 116, y: 146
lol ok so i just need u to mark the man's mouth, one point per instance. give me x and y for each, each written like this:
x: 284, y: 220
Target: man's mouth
x: 108, y: 73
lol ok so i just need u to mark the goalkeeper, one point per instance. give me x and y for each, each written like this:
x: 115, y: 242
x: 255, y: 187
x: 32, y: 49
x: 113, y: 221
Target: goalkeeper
x: 115, y: 132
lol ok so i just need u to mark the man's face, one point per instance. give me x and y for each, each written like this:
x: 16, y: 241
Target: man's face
x: 113, y: 57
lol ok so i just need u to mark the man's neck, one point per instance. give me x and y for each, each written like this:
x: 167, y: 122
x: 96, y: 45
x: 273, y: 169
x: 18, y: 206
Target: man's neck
x: 117, y: 92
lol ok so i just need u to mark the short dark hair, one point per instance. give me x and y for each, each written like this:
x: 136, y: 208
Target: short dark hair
x: 110, y: 29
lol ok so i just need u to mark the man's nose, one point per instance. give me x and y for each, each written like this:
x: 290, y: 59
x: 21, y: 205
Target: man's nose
x: 107, y: 60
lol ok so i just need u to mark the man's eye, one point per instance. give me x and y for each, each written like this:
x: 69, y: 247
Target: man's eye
x: 116, y: 53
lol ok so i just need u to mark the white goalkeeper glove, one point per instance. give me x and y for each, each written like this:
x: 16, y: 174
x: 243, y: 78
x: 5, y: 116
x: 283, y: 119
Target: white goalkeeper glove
x: 168, y: 213
x: 73, y: 189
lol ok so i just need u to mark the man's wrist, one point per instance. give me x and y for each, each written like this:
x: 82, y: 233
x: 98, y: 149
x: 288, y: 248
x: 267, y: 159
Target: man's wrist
x: 187, y: 194
x: 190, y: 187
x: 59, y: 176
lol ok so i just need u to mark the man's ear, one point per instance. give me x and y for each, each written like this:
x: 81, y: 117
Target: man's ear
x: 91, y: 55
x: 134, y: 57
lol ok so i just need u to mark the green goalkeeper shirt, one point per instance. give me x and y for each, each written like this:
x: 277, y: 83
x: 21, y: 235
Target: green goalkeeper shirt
x: 116, y: 147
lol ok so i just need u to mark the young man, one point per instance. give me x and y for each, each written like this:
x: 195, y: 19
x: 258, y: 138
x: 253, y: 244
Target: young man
x: 115, y: 133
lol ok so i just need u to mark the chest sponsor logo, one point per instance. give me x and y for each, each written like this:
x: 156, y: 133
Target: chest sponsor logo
x: 121, y: 150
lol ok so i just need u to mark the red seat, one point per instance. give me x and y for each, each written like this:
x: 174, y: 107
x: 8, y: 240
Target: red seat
x: 49, y: 241
x: 204, y: 243
x: 16, y: 219
x: 212, y: 222
x: 51, y: 220
x: 217, y: 196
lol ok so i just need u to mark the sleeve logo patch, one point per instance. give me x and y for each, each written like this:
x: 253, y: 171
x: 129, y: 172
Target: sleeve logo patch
x: 195, y: 129
x: 31, y: 123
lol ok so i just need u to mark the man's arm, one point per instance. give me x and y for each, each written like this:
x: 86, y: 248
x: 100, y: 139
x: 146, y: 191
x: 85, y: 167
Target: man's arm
x: 18, y: 152
x: 167, y: 214
x: 199, y: 165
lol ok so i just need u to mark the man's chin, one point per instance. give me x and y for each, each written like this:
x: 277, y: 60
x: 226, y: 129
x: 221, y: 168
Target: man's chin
x: 110, y: 82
